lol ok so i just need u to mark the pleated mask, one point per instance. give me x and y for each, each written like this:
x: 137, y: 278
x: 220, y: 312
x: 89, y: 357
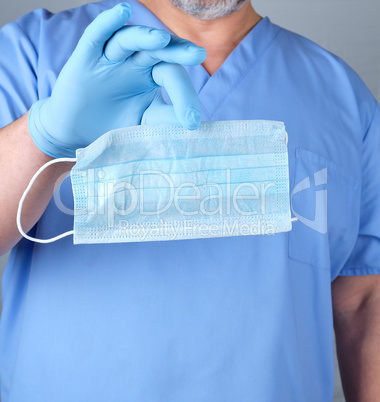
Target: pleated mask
x: 163, y: 182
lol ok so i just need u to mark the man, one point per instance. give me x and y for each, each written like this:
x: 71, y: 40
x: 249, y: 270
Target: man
x: 230, y: 319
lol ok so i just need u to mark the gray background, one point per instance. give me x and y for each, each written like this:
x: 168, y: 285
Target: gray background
x: 348, y: 28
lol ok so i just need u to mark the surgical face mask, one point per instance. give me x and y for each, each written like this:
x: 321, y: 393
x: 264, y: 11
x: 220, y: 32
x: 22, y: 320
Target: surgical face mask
x: 163, y: 182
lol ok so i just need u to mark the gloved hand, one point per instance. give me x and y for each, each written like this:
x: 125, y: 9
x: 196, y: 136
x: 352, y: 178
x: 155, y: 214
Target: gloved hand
x: 113, y: 80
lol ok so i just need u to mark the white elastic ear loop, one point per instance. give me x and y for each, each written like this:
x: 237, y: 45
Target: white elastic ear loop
x: 40, y: 170
x: 286, y: 141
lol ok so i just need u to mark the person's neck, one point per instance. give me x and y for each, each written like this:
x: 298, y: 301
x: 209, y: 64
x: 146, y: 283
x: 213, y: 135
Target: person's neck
x: 219, y: 37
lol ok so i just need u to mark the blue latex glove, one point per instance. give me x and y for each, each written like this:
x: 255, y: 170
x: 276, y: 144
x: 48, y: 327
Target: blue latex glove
x: 113, y: 80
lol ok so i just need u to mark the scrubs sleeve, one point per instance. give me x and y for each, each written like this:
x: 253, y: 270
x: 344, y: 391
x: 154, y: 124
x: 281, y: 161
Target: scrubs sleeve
x: 365, y: 257
x: 18, y: 70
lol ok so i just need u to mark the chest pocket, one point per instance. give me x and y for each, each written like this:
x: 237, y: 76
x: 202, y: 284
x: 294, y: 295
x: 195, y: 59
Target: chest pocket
x: 325, y: 199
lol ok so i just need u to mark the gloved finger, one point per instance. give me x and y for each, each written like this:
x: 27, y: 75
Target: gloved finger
x: 102, y: 28
x: 178, y: 51
x: 175, y: 79
x: 130, y: 39
x: 159, y: 112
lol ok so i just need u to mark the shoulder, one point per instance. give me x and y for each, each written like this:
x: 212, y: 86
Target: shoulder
x: 34, y: 49
x: 311, y: 57
x: 42, y: 25
x: 323, y: 72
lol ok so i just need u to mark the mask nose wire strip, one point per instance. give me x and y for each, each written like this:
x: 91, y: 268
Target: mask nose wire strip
x: 33, y: 179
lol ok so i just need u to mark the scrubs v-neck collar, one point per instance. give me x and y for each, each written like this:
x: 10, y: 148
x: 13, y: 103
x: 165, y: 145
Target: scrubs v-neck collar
x: 213, y: 90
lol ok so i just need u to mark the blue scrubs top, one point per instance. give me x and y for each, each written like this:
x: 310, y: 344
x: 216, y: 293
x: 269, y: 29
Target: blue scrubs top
x: 229, y: 319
